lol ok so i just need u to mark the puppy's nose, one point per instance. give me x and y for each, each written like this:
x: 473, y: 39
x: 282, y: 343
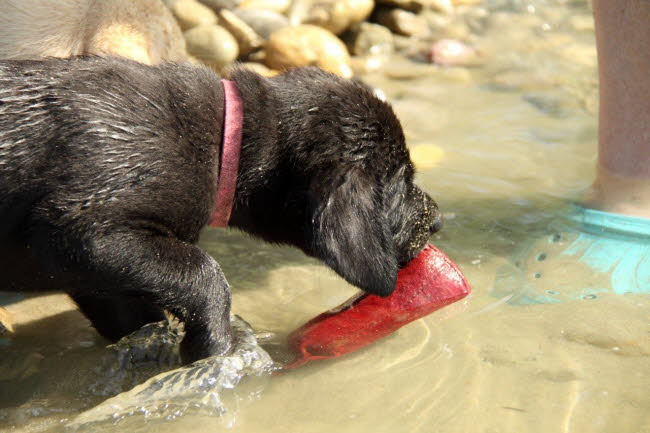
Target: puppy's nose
x: 437, y: 224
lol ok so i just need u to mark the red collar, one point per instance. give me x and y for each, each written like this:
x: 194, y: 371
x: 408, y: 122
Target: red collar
x: 230, y: 149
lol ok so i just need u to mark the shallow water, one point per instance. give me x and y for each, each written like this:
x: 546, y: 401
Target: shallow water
x: 518, y: 135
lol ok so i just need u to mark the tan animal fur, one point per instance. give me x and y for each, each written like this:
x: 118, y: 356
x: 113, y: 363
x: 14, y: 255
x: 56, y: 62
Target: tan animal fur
x: 142, y: 30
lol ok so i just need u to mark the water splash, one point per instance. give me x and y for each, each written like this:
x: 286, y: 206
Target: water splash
x: 197, y: 387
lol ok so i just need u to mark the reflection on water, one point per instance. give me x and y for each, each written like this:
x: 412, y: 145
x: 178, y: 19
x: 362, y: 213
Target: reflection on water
x: 517, y: 139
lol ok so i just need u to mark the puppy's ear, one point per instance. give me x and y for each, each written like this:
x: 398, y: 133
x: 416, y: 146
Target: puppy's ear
x: 351, y: 232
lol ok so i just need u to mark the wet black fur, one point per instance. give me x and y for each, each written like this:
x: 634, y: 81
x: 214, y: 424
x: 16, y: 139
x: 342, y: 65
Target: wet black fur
x: 107, y: 173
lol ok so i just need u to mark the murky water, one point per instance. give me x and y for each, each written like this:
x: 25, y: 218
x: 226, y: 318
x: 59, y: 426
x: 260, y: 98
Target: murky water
x: 517, y: 135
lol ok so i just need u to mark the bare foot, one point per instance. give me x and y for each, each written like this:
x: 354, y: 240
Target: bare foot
x: 618, y: 194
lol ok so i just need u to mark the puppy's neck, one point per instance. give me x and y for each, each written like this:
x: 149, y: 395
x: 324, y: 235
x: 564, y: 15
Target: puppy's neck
x: 260, y: 157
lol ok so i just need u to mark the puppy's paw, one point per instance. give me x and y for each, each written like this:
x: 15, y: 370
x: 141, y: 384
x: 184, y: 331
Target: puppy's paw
x: 200, y: 345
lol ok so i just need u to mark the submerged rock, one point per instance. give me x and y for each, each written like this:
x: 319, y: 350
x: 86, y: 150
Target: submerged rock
x: 306, y: 45
x: 262, y: 21
x: 21, y: 368
x: 191, y: 13
x: 212, y: 44
x: 279, y: 6
x: 450, y: 52
x: 246, y: 37
x: 196, y: 387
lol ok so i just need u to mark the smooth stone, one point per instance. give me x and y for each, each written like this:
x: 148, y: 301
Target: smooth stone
x: 191, y: 13
x: 451, y: 52
x: 258, y: 68
x: 365, y: 64
x: 193, y: 60
x: 372, y: 40
x: 476, y: 19
x: 408, y: 70
x: 582, y: 23
x: 444, y: 6
x: 402, y: 22
x: 416, y: 50
x: 262, y: 21
x: 410, y: 5
x: 247, y: 38
x: 581, y: 54
x: 444, y: 26
x: 306, y: 45
x: 438, y: 22
x: 521, y: 80
x: 5, y: 322
x: 455, y: 74
x: 212, y: 44
x: 257, y: 57
x: 279, y: 6
x: 333, y: 15
x: 22, y: 368
x: 217, y: 5
x: 549, y: 105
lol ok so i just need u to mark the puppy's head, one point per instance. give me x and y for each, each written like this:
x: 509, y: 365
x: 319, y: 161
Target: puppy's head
x: 342, y: 185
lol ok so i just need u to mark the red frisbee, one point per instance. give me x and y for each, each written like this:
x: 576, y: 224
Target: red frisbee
x: 429, y: 282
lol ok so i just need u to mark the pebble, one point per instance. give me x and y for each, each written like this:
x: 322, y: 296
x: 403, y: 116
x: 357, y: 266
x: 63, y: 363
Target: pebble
x: 247, y: 39
x: 333, y: 15
x: 410, y: 5
x: 212, y: 44
x: 411, y: 48
x: 582, y: 23
x: 451, y: 52
x: 279, y: 6
x: 24, y: 367
x: 217, y: 5
x: 476, y: 19
x: 5, y: 322
x: 191, y: 13
x: 581, y: 54
x: 403, y: 69
x: 521, y: 80
x: 444, y: 6
x: 454, y: 75
x: 372, y: 40
x: 263, y: 22
x: 307, y: 45
x: 438, y: 22
x: 365, y: 64
x: 444, y: 26
x: 402, y: 22
x: 259, y: 69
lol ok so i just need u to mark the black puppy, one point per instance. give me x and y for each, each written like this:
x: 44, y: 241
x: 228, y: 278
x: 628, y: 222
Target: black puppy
x: 107, y: 174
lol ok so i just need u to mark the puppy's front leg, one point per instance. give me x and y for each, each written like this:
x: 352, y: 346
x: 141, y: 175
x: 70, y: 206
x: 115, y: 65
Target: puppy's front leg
x: 174, y: 275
